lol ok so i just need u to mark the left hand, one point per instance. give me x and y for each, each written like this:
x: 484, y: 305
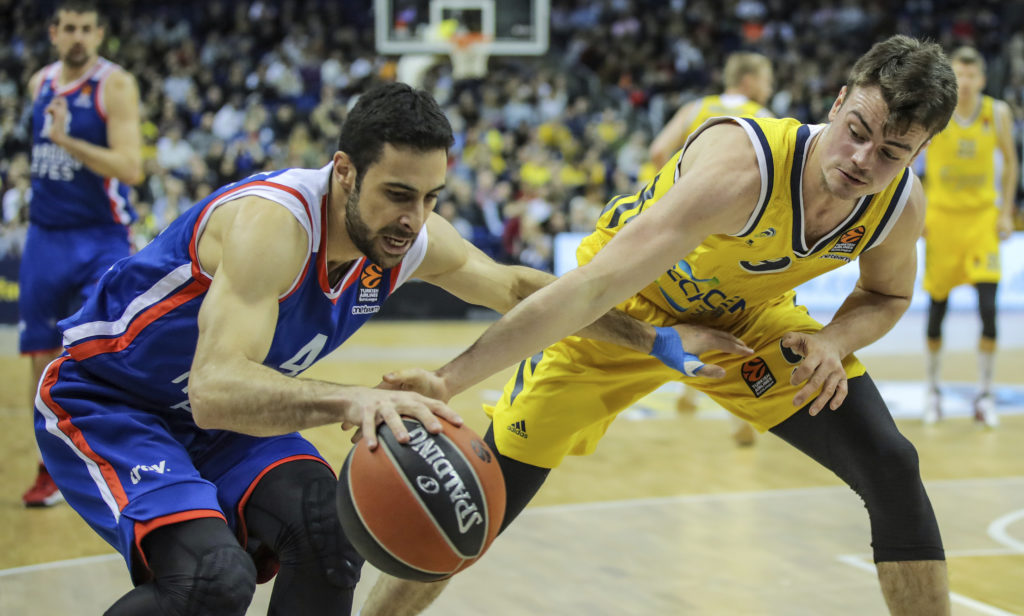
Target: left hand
x: 822, y: 369
x: 1005, y: 226
x: 58, y: 112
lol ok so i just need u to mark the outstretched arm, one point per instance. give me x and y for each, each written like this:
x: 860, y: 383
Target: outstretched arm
x: 255, y: 249
x: 698, y: 205
x: 463, y: 270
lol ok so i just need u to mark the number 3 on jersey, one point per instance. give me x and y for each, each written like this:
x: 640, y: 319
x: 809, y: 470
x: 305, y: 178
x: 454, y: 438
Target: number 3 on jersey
x: 305, y: 357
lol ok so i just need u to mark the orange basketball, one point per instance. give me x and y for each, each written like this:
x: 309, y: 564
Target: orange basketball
x: 425, y: 510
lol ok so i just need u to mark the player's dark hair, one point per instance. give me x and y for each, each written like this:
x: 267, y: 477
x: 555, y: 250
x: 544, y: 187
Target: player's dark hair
x: 77, y: 6
x: 916, y: 80
x: 397, y: 114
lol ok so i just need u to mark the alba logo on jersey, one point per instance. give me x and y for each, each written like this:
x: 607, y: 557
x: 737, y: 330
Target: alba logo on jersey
x: 848, y: 241
x: 757, y: 376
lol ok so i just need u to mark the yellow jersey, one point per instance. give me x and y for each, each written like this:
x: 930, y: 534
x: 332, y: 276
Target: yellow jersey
x: 728, y: 276
x: 960, y: 163
x: 725, y: 105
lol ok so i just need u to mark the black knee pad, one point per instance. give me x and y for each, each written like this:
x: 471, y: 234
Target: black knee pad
x: 293, y: 512
x: 340, y: 562
x: 987, y: 308
x: 936, y: 313
x: 224, y: 582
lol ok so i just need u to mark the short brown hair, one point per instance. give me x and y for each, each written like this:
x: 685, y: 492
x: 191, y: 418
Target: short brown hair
x: 916, y: 80
x: 741, y: 64
x: 77, y: 6
x: 968, y: 55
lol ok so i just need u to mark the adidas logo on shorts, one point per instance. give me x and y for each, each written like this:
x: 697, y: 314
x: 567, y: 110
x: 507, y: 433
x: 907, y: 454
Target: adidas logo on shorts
x: 518, y: 428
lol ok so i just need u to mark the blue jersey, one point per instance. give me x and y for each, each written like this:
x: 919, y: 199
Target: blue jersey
x: 65, y: 193
x: 139, y: 330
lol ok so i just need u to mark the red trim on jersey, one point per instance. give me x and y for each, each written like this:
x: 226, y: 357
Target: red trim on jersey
x: 91, y: 348
x: 97, y: 99
x: 394, y: 276
x: 144, y: 528
x: 114, y: 207
x: 193, y: 245
x: 72, y: 432
x: 76, y: 85
x: 243, y: 534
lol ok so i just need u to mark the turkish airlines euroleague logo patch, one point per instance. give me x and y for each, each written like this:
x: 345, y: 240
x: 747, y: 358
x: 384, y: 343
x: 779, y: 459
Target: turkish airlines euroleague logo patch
x: 371, y: 276
x: 369, y: 281
x: 848, y: 241
x: 757, y: 376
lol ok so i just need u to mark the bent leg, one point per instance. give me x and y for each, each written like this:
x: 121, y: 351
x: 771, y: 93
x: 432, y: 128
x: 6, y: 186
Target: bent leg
x: 860, y: 443
x: 293, y: 512
x: 198, y: 569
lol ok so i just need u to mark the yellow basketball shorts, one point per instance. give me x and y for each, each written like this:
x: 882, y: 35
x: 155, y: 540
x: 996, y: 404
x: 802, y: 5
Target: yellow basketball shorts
x: 561, y: 401
x: 960, y: 248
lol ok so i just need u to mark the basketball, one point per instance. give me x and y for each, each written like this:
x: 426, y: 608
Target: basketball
x: 425, y: 510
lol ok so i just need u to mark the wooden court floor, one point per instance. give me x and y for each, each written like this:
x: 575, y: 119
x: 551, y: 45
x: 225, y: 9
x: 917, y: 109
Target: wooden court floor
x: 667, y: 517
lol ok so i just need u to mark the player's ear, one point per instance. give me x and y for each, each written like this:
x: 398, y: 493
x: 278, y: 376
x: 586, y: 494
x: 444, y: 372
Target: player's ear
x: 344, y: 170
x: 837, y: 104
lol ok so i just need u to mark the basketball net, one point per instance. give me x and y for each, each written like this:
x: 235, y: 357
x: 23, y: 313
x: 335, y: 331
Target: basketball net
x: 469, y: 54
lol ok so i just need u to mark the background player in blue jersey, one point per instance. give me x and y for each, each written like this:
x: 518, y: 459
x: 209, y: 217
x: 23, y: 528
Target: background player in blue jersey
x: 170, y: 423
x: 86, y: 151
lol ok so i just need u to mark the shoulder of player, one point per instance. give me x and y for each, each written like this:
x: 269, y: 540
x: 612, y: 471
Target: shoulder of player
x: 720, y: 143
x: 258, y: 218
x: 35, y: 80
x: 119, y: 81
x: 1002, y: 112
x: 446, y: 250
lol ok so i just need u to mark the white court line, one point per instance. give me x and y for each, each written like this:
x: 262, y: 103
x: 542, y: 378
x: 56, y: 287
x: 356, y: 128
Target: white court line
x: 858, y: 563
x: 997, y: 530
x: 57, y: 564
x: 638, y: 502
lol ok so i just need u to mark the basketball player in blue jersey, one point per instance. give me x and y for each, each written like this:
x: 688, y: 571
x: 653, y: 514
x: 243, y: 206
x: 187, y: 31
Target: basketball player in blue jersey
x: 86, y: 151
x: 749, y: 209
x: 170, y: 421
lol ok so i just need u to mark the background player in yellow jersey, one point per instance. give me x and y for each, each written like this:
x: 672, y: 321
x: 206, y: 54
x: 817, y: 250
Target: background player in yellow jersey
x: 750, y: 209
x: 749, y: 81
x: 967, y: 217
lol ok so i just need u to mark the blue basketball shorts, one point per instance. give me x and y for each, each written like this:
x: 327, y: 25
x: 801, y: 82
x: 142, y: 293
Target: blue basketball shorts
x: 59, y: 269
x: 129, y: 469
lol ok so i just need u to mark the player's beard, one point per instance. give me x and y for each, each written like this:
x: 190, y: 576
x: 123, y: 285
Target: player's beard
x: 365, y: 239
x: 76, y: 57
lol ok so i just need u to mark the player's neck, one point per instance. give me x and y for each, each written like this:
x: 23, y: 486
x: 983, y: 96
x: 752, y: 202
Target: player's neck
x: 967, y: 108
x: 341, y: 250
x: 69, y: 74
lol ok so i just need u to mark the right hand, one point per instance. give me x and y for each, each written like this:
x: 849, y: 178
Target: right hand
x: 387, y: 405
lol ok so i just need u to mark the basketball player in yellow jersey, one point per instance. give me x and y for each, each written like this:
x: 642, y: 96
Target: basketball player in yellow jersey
x: 967, y: 217
x: 748, y: 86
x: 749, y: 82
x: 748, y: 210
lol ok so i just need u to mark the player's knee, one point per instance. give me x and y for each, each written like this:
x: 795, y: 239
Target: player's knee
x: 322, y: 538
x: 224, y: 582
x: 987, y: 309
x: 936, y: 314
x: 895, y: 468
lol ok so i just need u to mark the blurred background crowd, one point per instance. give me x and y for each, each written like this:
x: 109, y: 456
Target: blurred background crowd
x: 229, y: 88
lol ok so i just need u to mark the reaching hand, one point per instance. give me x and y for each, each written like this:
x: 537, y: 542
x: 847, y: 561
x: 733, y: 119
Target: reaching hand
x: 421, y: 381
x: 1005, y: 226
x: 384, y: 404
x: 678, y: 347
x: 821, y: 367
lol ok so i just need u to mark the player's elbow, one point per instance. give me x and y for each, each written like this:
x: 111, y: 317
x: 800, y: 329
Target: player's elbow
x: 132, y: 173
x: 202, y: 399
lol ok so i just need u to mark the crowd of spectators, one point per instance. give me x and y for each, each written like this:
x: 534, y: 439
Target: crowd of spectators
x: 229, y: 88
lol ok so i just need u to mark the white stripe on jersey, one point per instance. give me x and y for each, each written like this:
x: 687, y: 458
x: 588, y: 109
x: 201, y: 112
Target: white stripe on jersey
x: 164, y: 287
x: 120, y: 204
x: 90, y: 464
x: 413, y: 258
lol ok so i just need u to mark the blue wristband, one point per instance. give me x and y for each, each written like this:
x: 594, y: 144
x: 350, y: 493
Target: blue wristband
x: 669, y: 349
